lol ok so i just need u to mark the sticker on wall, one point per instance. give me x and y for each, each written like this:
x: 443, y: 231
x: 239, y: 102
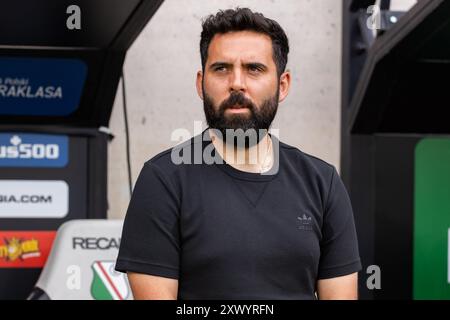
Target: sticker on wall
x: 33, y: 150
x: 25, y: 249
x: 40, y: 86
x: 431, y: 269
x: 33, y: 199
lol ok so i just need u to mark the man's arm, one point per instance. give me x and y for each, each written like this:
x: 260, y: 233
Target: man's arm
x: 148, y: 287
x: 339, y: 288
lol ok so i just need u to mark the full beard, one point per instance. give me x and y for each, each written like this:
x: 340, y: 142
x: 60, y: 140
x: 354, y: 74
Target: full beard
x: 241, y: 130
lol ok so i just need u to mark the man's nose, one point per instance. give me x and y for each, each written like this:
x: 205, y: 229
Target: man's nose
x: 237, y: 82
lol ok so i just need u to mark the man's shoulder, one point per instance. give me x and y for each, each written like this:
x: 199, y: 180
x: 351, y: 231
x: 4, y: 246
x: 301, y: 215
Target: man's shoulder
x: 305, y: 161
x: 174, y: 158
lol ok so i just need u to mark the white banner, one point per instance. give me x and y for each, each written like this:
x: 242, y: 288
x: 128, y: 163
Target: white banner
x: 33, y: 199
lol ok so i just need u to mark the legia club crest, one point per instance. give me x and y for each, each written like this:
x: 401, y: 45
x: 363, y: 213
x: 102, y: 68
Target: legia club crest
x: 107, y: 283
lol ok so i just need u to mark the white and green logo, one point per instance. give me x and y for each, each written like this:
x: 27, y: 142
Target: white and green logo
x: 107, y: 283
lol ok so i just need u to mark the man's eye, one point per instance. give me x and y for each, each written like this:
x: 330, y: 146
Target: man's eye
x: 220, y: 69
x: 254, y: 69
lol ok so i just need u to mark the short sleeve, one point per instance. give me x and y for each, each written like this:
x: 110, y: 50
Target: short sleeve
x: 150, y: 242
x: 339, y: 244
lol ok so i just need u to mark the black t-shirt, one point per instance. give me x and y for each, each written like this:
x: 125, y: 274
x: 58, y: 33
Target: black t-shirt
x: 229, y: 234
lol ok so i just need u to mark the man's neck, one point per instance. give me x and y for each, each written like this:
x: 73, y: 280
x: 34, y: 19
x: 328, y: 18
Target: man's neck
x: 255, y: 159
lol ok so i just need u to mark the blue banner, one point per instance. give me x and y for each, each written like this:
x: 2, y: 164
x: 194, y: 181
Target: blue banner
x: 40, y: 86
x: 33, y: 150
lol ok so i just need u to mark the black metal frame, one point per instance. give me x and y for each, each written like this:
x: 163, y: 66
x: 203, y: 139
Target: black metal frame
x: 104, y: 71
x: 377, y: 143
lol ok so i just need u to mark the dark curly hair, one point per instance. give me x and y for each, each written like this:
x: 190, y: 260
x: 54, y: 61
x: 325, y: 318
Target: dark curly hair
x: 244, y: 19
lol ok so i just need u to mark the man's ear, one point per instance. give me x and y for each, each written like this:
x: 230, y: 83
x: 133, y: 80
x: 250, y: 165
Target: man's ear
x: 285, y: 84
x: 199, y: 84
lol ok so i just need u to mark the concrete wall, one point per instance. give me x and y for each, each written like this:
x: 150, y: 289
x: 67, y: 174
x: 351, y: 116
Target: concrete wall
x: 402, y: 5
x: 160, y: 76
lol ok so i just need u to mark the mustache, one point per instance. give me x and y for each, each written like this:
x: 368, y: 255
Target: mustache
x: 237, y: 99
